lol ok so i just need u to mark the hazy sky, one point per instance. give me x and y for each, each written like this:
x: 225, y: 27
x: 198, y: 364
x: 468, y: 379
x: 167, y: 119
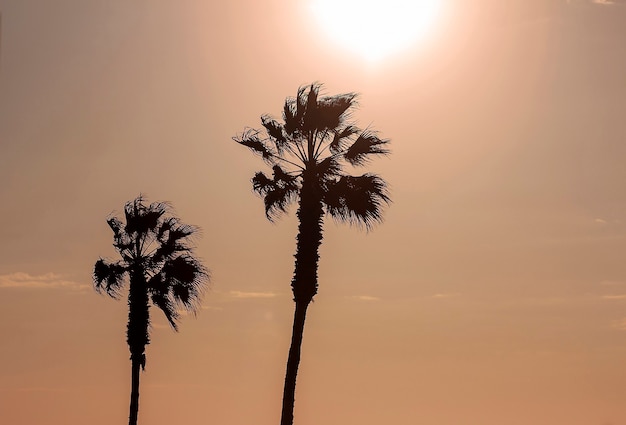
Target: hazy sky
x: 494, y: 293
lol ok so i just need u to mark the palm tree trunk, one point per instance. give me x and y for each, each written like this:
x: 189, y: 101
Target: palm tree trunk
x: 289, y: 393
x: 137, y: 335
x: 134, y: 391
x: 304, y: 282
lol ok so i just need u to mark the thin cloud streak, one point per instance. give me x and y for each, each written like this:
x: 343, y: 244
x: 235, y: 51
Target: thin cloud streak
x: 44, y: 281
x: 365, y: 298
x: 612, y: 283
x: 620, y: 324
x: 243, y: 294
x: 34, y: 390
x: 597, y: 2
x: 451, y: 295
x: 614, y: 297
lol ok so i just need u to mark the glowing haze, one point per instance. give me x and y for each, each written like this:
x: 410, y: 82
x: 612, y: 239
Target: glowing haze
x: 493, y: 294
x: 376, y: 28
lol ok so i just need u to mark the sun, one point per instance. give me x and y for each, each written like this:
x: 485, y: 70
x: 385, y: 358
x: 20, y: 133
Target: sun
x: 376, y: 28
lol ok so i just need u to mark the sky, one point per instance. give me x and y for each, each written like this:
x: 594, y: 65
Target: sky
x: 494, y: 292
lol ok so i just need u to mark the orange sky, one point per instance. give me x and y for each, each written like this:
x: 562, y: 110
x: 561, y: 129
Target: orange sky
x: 494, y: 293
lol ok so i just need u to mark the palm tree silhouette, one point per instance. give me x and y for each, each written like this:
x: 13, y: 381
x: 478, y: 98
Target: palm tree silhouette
x: 309, y: 152
x: 157, y: 260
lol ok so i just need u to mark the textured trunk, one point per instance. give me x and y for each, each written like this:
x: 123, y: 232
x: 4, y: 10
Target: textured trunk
x: 134, y: 392
x: 137, y: 335
x: 304, y: 282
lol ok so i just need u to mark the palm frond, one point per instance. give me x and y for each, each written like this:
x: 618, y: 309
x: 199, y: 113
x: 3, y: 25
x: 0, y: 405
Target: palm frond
x: 328, y: 167
x: 163, y: 230
x: 168, y: 308
x: 177, y: 238
x: 141, y: 218
x: 277, y: 200
x: 301, y: 102
x: 357, y: 200
x: 188, y: 278
x: 275, y: 131
x: 116, y: 225
x: 341, y: 138
x: 251, y: 140
x: 159, y: 294
x: 262, y: 184
x: 332, y: 111
x: 284, y: 179
x: 311, y: 111
x: 109, y: 277
x: 368, y: 143
x: 289, y: 117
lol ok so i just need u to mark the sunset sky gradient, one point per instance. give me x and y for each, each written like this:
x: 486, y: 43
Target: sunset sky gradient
x: 493, y: 294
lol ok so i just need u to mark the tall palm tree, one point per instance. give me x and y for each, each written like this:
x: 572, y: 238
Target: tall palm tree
x: 158, y: 262
x: 309, y: 152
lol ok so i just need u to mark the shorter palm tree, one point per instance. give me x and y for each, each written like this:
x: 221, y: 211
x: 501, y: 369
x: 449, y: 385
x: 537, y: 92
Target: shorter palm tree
x: 159, y: 265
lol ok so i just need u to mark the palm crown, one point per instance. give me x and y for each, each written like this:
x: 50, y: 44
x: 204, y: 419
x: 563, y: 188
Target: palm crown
x: 157, y: 247
x: 314, y: 143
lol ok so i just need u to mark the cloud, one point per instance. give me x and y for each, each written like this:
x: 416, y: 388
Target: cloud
x: 597, y: 2
x: 212, y: 307
x: 155, y: 325
x: 614, y: 297
x: 609, y: 2
x: 365, y: 298
x: 44, y: 281
x: 34, y: 390
x: 242, y: 294
x: 450, y: 295
x: 619, y: 324
x: 612, y: 283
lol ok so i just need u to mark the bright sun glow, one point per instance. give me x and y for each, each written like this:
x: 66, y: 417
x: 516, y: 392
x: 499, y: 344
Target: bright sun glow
x: 376, y: 28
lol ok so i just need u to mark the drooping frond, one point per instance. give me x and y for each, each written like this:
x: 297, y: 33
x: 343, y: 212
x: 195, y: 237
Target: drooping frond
x: 284, y: 179
x: 277, y: 201
x: 367, y: 144
x: 262, y: 184
x: 168, y: 308
x: 357, y: 200
x: 251, y: 140
x: 277, y: 193
x: 159, y: 290
x: 187, y: 279
x: 109, y: 277
x: 275, y: 131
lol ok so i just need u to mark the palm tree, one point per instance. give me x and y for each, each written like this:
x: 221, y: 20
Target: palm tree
x: 309, y: 152
x: 158, y: 262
